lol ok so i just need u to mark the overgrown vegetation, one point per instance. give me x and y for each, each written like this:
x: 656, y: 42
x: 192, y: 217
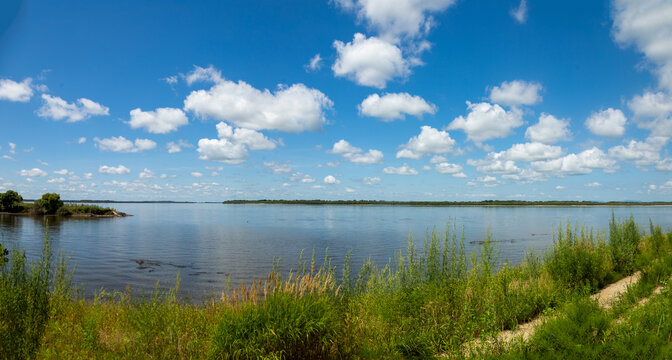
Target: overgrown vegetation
x: 427, y: 302
x: 50, y: 204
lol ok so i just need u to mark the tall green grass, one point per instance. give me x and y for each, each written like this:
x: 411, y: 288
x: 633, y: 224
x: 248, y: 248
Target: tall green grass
x: 425, y: 301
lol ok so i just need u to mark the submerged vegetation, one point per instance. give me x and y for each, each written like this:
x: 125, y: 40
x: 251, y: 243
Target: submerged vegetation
x: 51, y: 204
x: 428, y: 302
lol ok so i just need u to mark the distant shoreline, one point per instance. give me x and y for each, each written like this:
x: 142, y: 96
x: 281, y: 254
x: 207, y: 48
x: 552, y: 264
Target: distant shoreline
x: 486, y: 203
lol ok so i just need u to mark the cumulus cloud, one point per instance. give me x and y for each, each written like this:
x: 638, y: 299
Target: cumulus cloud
x: 111, y: 170
x: 520, y: 13
x: 402, y: 170
x: 61, y: 172
x: 652, y: 111
x: 196, y: 174
x: 370, y: 61
x: 233, y: 144
x: 574, y: 164
x: 331, y: 180
x: 200, y: 74
x: 390, y: 107
x: 610, y: 122
x: 396, y: 20
x: 448, y: 168
x: 15, y: 91
x: 549, y: 130
x: 278, y: 168
x: 81, y: 140
x: 160, y: 121
x: 532, y: 152
x: 59, y: 180
x: 121, y: 144
x: 56, y: 108
x: 429, y: 141
x: 641, y: 153
x: 294, y: 109
x: 356, y: 155
x: 371, y: 180
x: 315, y: 63
x: 147, y: 174
x: 646, y: 25
x: 34, y: 172
x: 487, y: 121
x: 594, y: 184
x: 175, y: 147
x: 301, y: 177
x: 517, y: 92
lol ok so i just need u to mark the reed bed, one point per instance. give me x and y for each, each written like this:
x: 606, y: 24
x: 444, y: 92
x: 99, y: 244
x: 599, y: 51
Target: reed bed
x: 425, y: 302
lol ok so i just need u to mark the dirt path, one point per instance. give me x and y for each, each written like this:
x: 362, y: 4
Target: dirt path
x: 605, y: 298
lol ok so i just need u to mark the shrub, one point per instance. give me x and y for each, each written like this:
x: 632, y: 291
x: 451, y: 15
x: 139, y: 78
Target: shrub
x: 624, y: 239
x: 50, y: 203
x: 10, y: 201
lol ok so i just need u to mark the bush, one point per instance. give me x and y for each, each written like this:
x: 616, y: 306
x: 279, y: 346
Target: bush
x: 624, y: 239
x: 50, y: 203
x: 10, y: 201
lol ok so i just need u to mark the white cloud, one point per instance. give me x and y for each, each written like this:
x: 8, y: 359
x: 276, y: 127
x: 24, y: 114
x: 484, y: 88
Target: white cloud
x: 395, y: 20
x: 395, y: 106
x: 121, y: 144
x: 34, y: 172
x: 664, y: 165
x: 349, y: 190
x: 315, y: 63
x: 429, y: 141
x: 88, y: 176
x: 175, y: 147
x: 371, y: 180
x: 641, y: 153
x: 160, y: 121
x: 12, y: 148
x: 560, y: 187
x: 59, y: 180
x: 170, y: 80
x: 437, y: 159
x: 56, y: 108
x: 355, y: 155
x: 486, y: 179
x: 573, y: 164
x: 111, y: 170
x: 278, y: 168
x: 594, y: 184
x: 486, y: 121
x: 652, y: 111
x: 520, y: 13
x: 532, y: 152
x: 147, y: 174
x: 495, y: 164
x: 233, y: 144
x: 448, y: 168
x: 209, y: 74
x: 646, y: 25
x: 291, y: 109
x: 196, y: 174
x: 516, y: 92
x: 17, y: 92
x: 81, y: 140
x: 330, y: 179
x: 301, y: 177
x: 610, y: 122
x: 402, y: 170
x: 43, y: 163
x: 549, y: 130
x: 61, y: 172
x: 370, y: 61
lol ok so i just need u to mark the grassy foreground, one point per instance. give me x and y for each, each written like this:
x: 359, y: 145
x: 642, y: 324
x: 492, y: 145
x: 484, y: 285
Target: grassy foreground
x: 427, y: 302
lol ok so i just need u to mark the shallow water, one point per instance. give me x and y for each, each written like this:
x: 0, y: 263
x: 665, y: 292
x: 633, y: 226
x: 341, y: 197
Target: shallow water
x: 206, y: 242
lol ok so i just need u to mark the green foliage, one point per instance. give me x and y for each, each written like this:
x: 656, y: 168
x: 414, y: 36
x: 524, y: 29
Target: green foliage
x: 283, y: 326
x: 624, y: 237
x: 578, y: 259
x: 81, y: 209
x: 50, y: 202
x: 26, y: 299
x: 10, y: 201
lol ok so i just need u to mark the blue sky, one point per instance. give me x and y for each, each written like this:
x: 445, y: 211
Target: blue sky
x: 341, y: 99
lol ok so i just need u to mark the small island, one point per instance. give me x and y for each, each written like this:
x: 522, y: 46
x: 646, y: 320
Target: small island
x: 51, y: 204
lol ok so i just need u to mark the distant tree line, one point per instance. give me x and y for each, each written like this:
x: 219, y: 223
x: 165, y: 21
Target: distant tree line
x: 448, y: 203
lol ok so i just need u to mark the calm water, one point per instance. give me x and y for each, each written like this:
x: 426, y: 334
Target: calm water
x: 206, y: 242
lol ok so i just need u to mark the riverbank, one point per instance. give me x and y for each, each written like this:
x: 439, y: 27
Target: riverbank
x: 428, y: 302
x: 486, y: 203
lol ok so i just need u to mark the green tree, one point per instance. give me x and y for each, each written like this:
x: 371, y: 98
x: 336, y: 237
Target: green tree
x: 50, y: 202
x: 10, y: 201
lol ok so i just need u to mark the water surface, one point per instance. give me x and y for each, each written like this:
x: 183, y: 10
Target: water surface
x: 204, y: 243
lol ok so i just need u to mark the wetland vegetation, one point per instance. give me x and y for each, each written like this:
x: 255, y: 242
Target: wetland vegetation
x: 51, y: 204
x: 428, y: 302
